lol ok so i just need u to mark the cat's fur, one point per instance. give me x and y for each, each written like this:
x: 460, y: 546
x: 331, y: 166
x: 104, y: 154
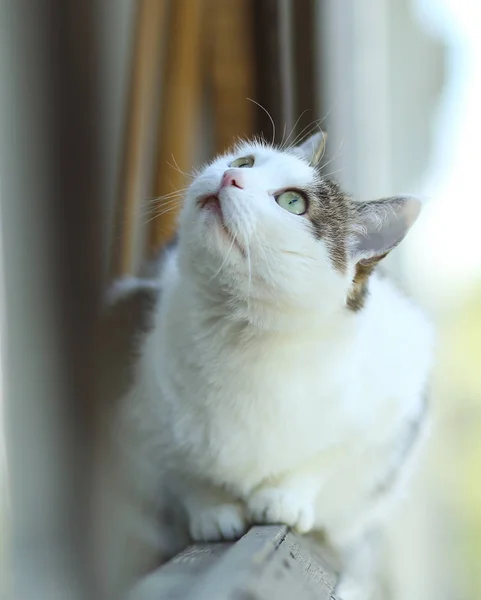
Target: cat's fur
x: 282, y: 379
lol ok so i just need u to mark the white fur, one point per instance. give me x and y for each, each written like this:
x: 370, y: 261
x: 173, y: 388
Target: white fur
x: 259, y: 395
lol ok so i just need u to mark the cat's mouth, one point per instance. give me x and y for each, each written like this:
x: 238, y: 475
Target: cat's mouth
x: 212, y: 203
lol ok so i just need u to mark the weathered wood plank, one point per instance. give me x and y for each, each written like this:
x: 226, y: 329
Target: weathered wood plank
x: 268, y: 562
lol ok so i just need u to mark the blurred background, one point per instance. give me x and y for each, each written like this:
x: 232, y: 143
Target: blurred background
x: 105, y: 108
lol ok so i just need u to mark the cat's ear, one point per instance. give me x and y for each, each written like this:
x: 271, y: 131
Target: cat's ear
x: 380, y: 226
x: 313, y: 148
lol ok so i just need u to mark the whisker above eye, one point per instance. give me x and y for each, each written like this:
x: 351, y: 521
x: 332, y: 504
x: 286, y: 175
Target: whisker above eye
x: 284, y: 135
x: 333, y: 158
x: 305, y: 132
x: 270, y: 118
x: 178, y: 169
x: 331, y: 173
x: 284, y: 143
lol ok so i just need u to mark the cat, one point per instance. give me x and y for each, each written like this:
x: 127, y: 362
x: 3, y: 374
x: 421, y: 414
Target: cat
x: 282, y: 379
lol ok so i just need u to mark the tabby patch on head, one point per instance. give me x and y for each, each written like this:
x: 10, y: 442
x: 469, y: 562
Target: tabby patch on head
x: 331, y: 213
x: 359, y: 291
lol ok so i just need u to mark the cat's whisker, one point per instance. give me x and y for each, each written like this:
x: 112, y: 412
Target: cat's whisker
x: 284, y: 143
x: 304, y: 133
x: 283, y: 136
x: 266, y: 259
x: 161, y: 202
x: 148, y: 210
x: 146, y: 222
x: 179, y: 170
x: 160, y: 214
x: 333, y: 158
x: 147, y: 217
x: 324, y: 139
x: 224, y: 261
x: 169, y: 195
x: 331, y: 173
x: 176, y: 167
x: 310, y: 126
x: 168, y: 206
x: 166, y: 201
x: 249, y: 266
x: 270, y: 118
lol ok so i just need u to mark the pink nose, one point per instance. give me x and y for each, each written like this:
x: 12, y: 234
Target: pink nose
x: 232, y: 177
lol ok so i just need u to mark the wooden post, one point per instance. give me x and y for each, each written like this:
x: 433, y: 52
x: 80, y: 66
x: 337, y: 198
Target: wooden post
x: 180, y: 102
x: 51, y: 231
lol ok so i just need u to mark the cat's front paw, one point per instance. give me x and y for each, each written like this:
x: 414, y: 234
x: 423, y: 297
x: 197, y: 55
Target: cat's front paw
x: 277, y: 505
x: 219, y: 522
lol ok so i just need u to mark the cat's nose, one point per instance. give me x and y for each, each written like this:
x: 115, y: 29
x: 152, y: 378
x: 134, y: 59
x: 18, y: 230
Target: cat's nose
x: 232, y: 177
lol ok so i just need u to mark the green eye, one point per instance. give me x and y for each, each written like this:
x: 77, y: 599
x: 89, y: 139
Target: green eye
x: 246, y: 162
x: 294, y: 202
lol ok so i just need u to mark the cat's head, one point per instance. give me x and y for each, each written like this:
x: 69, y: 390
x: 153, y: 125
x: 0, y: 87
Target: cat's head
x: 262, y: 223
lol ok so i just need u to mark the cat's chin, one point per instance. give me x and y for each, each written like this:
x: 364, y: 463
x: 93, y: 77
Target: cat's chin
x: 214, y: 218
x: 229, y: 238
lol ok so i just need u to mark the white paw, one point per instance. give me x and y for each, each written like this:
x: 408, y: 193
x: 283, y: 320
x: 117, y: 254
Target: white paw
x: 277, y: 505
x: 221, y: 522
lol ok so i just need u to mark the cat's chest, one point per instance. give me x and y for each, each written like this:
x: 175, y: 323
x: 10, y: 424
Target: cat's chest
x: 268, y: 373
x: 270, y: 405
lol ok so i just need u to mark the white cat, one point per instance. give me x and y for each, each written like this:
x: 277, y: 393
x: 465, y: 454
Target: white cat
x: 283, y: 380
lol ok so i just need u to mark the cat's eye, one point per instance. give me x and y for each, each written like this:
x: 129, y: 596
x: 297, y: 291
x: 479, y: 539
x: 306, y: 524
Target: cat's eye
x: 294, y: 202
x: 246, y: 162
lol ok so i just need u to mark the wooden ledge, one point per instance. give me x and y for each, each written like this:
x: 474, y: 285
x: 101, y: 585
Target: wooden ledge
x: 268, y: 563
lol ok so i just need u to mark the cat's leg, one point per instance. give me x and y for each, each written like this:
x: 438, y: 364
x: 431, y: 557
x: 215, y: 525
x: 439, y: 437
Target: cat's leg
x: 213, y: 513
x: 289, y: 500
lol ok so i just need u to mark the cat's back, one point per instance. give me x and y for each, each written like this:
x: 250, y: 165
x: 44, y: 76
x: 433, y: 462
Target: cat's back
x: 392, y: 315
